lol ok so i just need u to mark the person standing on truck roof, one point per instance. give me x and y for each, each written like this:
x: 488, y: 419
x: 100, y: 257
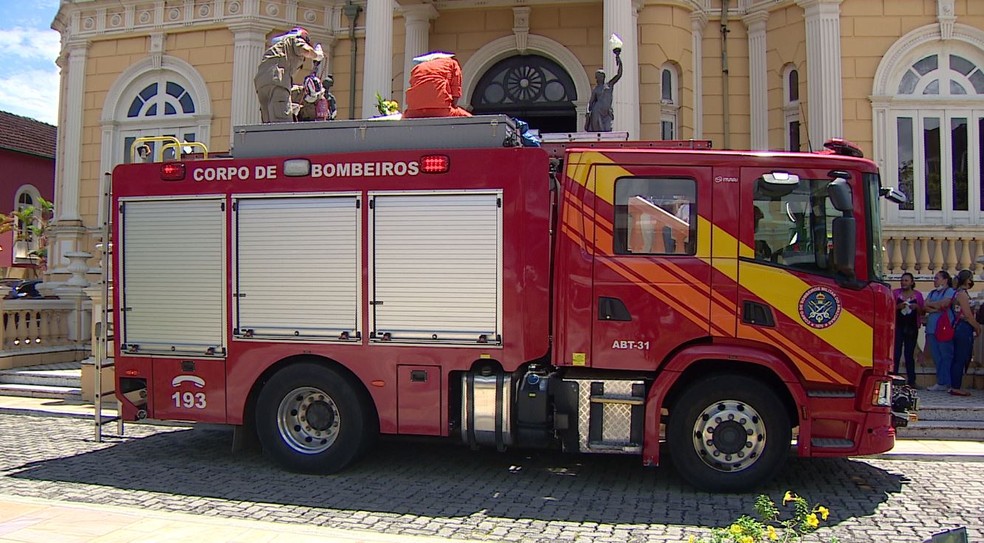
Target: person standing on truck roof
x: 435, y: 87
x: 600, y: 113
x: 273, y: 77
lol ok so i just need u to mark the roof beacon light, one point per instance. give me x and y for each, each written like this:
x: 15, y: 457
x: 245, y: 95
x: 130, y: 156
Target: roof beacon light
x: 843, y: 147
x: 435, y: 163
x: 172, y: 171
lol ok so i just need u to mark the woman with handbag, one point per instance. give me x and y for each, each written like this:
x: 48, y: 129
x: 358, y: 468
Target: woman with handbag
x: 908, y: 316
x: 939, y: 328
x: 964, y: 331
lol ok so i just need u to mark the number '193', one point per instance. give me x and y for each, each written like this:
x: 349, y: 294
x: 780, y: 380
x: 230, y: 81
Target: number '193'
x: 189, y: 400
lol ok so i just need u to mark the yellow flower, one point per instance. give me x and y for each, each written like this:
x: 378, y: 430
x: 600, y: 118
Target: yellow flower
x: 812, y: 521
x: 691, y: 539
x: 823, y: 512
x: 746, y: 539
x: 788, y: 497
x: 735, y: 530
x: 771, y: 532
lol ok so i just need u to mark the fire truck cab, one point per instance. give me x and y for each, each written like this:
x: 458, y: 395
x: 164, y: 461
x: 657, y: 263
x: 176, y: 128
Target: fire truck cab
x: 337, y: 280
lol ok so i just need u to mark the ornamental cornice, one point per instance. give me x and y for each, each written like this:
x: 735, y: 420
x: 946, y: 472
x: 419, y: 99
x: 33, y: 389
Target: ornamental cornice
x: 101, y: 19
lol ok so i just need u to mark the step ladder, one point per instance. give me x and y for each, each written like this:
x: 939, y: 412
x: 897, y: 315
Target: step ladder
x: 103, y: 329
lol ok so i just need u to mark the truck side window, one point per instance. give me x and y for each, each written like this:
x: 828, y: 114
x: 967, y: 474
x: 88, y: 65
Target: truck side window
x: 655, y: 216
x: 793, y: 227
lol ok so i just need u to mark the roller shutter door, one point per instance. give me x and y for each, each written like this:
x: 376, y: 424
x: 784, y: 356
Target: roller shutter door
x: 436, y: 267
x: 173, y: 277
x: 297, y: 267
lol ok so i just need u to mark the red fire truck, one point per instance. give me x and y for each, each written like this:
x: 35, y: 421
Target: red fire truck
x: 431, y: 277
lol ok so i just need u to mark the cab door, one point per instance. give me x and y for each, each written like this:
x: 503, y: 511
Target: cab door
x: 651, y: 276
x: 791, y: 295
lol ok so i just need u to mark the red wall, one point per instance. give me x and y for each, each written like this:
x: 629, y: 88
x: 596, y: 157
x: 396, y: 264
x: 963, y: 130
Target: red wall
x: 17, y: 169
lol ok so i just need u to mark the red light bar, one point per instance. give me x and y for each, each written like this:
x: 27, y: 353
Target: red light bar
x: 435, y: 163
x: 172, y: 171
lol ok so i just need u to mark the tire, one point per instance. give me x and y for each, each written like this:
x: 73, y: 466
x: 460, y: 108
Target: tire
x: 311, y: 419
x: 728, y: 433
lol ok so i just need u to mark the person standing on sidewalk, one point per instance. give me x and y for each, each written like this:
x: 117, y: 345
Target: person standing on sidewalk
x: 964, y: 332
x: 909, y: 304
x: 940, y: 300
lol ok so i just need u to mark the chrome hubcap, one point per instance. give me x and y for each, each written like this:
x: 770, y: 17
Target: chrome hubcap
x: 308, y: 420
x: 729, y: 436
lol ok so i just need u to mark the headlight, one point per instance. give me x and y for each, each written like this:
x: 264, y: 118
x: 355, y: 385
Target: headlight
x: 882, y: 395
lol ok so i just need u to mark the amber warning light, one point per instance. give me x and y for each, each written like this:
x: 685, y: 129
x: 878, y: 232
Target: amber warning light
x: 172, y: 171
x: 435, y: 163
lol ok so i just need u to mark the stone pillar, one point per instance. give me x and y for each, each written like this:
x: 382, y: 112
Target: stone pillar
x: 417, y: 20
x: 823, y: 63
x: 79, y: 323
x: 66, y: 231
x: 698, y: 21
x: 378, y: 68
x: 620, y: 18
x: 250, y: 42
x: 758, y: 77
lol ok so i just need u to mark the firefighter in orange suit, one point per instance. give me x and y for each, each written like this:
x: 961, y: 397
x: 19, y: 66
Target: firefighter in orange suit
x: 435, y: 87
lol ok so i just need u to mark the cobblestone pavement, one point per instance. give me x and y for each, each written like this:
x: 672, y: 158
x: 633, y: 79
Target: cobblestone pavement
x: 444, y: 490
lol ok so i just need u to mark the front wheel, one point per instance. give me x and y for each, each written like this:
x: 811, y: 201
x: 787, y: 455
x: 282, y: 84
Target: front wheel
x: 311, y: 419
x: 728, y: 433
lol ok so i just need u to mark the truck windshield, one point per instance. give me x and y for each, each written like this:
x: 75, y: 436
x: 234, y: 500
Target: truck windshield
x: 872, y: 202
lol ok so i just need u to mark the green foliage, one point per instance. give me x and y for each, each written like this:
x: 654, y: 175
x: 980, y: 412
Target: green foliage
x: 386, y: 107
x: 30, y: 223
x: 770, y: 526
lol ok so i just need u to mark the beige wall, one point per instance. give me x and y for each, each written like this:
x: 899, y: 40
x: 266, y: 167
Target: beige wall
x: 785, y: 45
x: 665, y: 36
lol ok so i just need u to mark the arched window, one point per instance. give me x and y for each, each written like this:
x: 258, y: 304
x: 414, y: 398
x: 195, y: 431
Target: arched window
x: 937, y: 124
x: 669, y: 88
x: 27, y: 197
x: 791, y: 108
x: 159, y: 105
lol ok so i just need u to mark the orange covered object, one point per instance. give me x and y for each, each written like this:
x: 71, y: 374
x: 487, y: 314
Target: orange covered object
x: 435, y: 87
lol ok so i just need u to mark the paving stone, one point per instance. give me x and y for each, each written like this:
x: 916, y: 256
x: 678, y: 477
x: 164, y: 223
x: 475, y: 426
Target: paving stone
x: 410, y: 487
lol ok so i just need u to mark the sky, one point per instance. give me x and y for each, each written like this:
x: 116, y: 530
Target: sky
x: 29, y: 78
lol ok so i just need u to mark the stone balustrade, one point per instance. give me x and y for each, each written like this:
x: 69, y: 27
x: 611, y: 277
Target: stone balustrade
x: 31, y: 324
x: 924, y: 250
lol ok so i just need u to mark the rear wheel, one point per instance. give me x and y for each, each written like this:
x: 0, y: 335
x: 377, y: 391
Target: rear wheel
x: 728, y: 433
x: 311, y: 419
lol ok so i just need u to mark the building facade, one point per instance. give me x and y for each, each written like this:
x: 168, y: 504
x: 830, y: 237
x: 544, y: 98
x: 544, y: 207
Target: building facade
x: 904, y: 79
x: 27, y: 174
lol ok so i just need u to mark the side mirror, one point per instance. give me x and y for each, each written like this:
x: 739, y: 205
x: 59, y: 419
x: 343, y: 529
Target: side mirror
x: 893, y: 194
x: 839, y: 192
x: 844, y: 237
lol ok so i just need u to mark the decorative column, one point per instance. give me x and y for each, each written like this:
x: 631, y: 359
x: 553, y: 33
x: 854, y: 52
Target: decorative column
x: 378, y: 68
x: 250, y: 42
x: 66, y: 231
x: 416, y: 19
x: 823, y: 63
x: 67, y: 201
x: 698, y: 21
x: 757, y: 78
x: 620, y: 18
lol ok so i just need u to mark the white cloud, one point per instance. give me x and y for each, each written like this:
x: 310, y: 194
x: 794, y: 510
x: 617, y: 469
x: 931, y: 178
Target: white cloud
x: 29, y: 78
x: 31, y: 93
x: 30, y: 44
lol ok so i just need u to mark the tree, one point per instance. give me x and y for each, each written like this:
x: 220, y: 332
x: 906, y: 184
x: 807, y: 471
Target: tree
x: 31, y: 223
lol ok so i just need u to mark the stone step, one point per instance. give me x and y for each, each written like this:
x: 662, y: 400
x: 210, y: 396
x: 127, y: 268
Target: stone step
x: 56, y: 378
x: 969, y: 413
x: 963, y: 430
x: 41, y: 391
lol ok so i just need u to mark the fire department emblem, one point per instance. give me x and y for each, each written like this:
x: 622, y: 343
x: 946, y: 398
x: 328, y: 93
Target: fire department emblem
x: 819, y: 307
